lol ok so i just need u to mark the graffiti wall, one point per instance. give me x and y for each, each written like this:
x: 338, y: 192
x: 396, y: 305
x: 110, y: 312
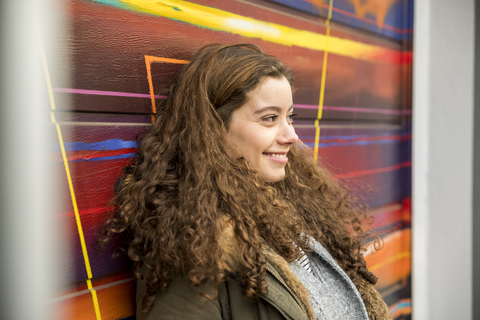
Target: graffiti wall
x: 352, y: 65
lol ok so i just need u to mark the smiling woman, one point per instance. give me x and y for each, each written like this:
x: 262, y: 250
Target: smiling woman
x: 227, y: 217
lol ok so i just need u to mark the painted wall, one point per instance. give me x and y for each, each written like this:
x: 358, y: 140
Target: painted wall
x: 352, y: 66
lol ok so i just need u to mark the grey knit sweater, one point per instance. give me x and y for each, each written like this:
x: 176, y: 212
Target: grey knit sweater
x: 332, y: 294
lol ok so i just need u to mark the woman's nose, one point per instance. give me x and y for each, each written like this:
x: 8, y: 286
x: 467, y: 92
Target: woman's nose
x: 287, y: 134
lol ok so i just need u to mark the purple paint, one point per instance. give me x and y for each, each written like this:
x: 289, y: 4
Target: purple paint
x: 106, y: 93
x: 300, y: 106
x: 354, y: 109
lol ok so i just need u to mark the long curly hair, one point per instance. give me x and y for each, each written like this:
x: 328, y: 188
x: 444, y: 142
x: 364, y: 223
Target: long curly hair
x: 187, y: 186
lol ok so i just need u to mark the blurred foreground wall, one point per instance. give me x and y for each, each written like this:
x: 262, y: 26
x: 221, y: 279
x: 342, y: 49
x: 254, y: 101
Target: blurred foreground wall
x: 31, y: 269
x: 352, y: 63
x: 444, y: 276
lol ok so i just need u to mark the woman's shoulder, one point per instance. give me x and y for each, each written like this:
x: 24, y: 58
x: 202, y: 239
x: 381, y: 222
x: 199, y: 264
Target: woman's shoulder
x: 182, y: 301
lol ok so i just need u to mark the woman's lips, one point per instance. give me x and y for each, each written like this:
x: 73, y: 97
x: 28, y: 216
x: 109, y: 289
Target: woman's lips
x: 277, y: 157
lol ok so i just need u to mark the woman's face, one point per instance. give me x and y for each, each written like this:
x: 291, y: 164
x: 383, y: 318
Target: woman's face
x: 261, y: 130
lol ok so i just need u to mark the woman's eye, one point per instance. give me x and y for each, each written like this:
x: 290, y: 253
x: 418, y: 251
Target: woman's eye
x: 290, y: 117
x: 270, y: 119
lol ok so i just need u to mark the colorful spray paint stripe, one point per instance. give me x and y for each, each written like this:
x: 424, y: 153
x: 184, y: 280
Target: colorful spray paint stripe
x: 354, y: 174
x: 106, y: 93
x: 100, y: 155
x: 127, y: 155
x: 354, y: 109
x: 98, y: 287
x: 356, y: 13
x: 391, y: 264
x: 113, y: 149
x: 356, y: 16
x: 299, y: 106
x: 116, y: 292
x: 390, y: 218
x: 322, y: 83
x: 110, y: 144
x: 148, y: 62
x: 401, y: 308
x: 398, y: 256
x: 72, y: 192
x: 331, y: 141
x: 215, y: 19
x: 357, y: 140
x: 85, y: 212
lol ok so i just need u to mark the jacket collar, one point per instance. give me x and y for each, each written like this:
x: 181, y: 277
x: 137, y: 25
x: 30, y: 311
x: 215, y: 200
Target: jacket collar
x: 282, y: 283
x: 278, y: 268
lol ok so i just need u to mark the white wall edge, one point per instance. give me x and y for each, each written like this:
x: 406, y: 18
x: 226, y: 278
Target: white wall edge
x: 420, y: 159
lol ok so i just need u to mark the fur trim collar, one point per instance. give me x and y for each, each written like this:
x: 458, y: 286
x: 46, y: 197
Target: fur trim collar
x: 376, y: 307
x: 283, y: 270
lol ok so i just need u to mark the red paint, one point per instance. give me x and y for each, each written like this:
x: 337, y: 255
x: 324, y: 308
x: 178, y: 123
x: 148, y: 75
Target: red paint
x: 373, y: 171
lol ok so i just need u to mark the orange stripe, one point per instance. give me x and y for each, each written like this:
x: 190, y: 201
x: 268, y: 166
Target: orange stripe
x: 148, y: 62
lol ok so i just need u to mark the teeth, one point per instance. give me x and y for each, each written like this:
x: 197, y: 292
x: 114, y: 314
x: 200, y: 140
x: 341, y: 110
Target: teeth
x: 276, y: 155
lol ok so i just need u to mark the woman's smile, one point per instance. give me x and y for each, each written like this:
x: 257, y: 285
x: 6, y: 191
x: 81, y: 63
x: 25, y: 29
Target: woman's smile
x: 278, y: 157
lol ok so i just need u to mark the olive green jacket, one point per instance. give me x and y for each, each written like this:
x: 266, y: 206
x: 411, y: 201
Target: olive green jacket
x: 182, y: 301
x: 287, y: 298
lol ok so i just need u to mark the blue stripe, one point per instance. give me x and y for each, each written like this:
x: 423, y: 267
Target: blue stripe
x: 117, y: 144
x: 111, y: 144
x: 399, y: 306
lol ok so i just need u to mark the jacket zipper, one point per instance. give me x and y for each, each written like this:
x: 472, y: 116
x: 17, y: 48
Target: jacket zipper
x: 288, y: 289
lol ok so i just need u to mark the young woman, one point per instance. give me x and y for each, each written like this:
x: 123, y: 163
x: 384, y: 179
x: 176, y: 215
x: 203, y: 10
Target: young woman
x: 228, y: 218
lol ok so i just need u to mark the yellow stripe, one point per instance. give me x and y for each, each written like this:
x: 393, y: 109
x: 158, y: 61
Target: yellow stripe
x: 70, y: 186
x: 390, y: 260
x: 74, y: 201
x: 217, y: 19
x: 96, y: 306
x: 325, y: 58
x: 322, y: 83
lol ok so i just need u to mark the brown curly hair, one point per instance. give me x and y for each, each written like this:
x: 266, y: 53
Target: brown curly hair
x: 186, y: 186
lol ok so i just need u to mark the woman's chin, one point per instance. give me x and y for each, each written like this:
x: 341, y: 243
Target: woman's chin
x: 273, y: 177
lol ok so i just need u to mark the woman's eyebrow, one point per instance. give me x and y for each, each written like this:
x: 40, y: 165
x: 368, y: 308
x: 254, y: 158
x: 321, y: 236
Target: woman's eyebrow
x: 271, y: 108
